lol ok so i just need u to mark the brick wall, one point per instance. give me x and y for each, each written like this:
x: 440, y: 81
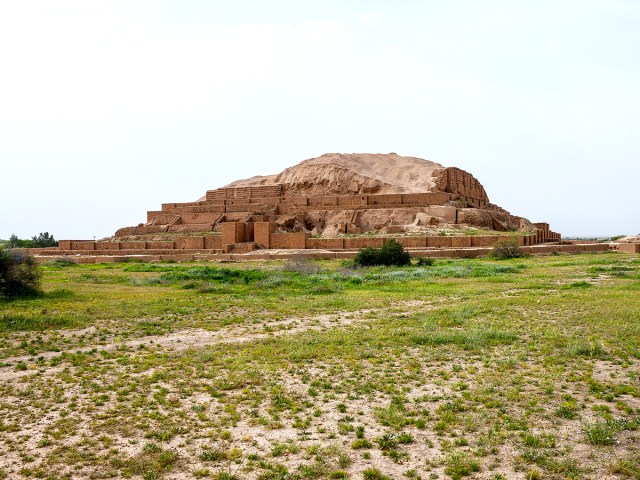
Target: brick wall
x: 82, y: 245
x: 160, y: 245
x: 460, y: 242
x: 413, y: 242
x: 363, y: 242
x: 390, y: 199
x: 213, y: 242
x: 629, y: 247
x: 438, y: 242
x: 107, y: 245
x: 325, y: 243
x: 323, y: 201
x: 262, y: 233
x: 189, y: 243
x: 132, y: 245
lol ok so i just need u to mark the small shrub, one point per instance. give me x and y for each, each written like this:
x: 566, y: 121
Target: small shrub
x: 425, y: 261
x: 301, y: 265
x: 374, y: 474
x: 212, y: 455
x: 388, y: 441
x: 19, y: 275
x: 601, y: 433
x: 504, y: 249
x: 339, y: 474
x: 391, y: 253
x: 629, y: 466
x: 568, y: 409
x: 405, y: 438
x: 225, y: 476
x: 361, y: 443
x: 460, y: 465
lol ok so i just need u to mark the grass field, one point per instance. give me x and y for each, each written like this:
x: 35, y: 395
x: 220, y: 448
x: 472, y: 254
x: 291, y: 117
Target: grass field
x: 525, y: 368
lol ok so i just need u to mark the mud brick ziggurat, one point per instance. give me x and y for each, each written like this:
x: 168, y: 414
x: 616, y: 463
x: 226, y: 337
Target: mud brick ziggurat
x: 329, y: 207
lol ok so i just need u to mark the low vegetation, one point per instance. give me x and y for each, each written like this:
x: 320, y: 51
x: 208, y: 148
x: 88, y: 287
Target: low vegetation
x: 466, y: 368
x: 391, y: 253
x: 504, y: 249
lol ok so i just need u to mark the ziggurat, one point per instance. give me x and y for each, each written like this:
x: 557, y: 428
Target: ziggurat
x: 258, y: 218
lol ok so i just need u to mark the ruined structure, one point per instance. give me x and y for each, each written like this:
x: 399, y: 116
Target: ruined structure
x: 335, y: 202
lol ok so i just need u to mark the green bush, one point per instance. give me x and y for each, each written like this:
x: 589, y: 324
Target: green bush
x: 504, y: 249
x: 19, y: 274
x: 391, y: 253
x: 425, y: 261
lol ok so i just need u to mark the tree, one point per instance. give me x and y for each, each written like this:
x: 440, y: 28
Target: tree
x: 43, y: 240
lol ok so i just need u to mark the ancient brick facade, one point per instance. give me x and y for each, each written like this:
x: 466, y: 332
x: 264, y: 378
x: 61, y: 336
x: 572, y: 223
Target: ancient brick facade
x: 240, y: 220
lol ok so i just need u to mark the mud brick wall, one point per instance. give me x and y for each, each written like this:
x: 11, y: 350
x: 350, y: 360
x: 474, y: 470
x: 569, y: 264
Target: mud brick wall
x: 438, y: 242
x: 296, y: 200
x: 296, y: 240
x: 244, y: 192
x: 457, y: 181
x: 460, y: 242
x: 427, y: 198
x: 193, y: 228
x: 280, y: 240
x: 160, y: 245
x: 82, y: 245
x: 482, y: 241
x: 107, y: 245
x: 152, y: 214
x: 350, y: 201
x: 243, y: 207
x: 189, y: 243
x: 208, y: 208
x: 323, y: 201
x: 266, y: 201
x: 262, y: 233
x: 232, y: 232
x: 325, y: 243
x: 605, y: 247
x: 213, y: 242
x: 390, y: 199
x: 629, y: 247
x: 132, y: 245
x: 198, y: 218
x: 363, y: 242
x: 160, y: 218
x: 287, y: 208
x: 215, y: 195
x: 412, y: 242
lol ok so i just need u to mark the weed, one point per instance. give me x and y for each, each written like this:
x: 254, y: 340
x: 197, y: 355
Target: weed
x: 361, y: 443
x: 460, y: 465
x: 374, y: 474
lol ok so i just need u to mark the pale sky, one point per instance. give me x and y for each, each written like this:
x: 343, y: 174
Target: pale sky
x: 110, y: 108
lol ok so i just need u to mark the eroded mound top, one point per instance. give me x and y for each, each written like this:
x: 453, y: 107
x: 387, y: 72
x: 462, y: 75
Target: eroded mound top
x: 353, y: 173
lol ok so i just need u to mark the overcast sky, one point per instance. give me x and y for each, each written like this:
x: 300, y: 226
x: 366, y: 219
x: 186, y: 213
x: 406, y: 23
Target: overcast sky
x: 108, y: 109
